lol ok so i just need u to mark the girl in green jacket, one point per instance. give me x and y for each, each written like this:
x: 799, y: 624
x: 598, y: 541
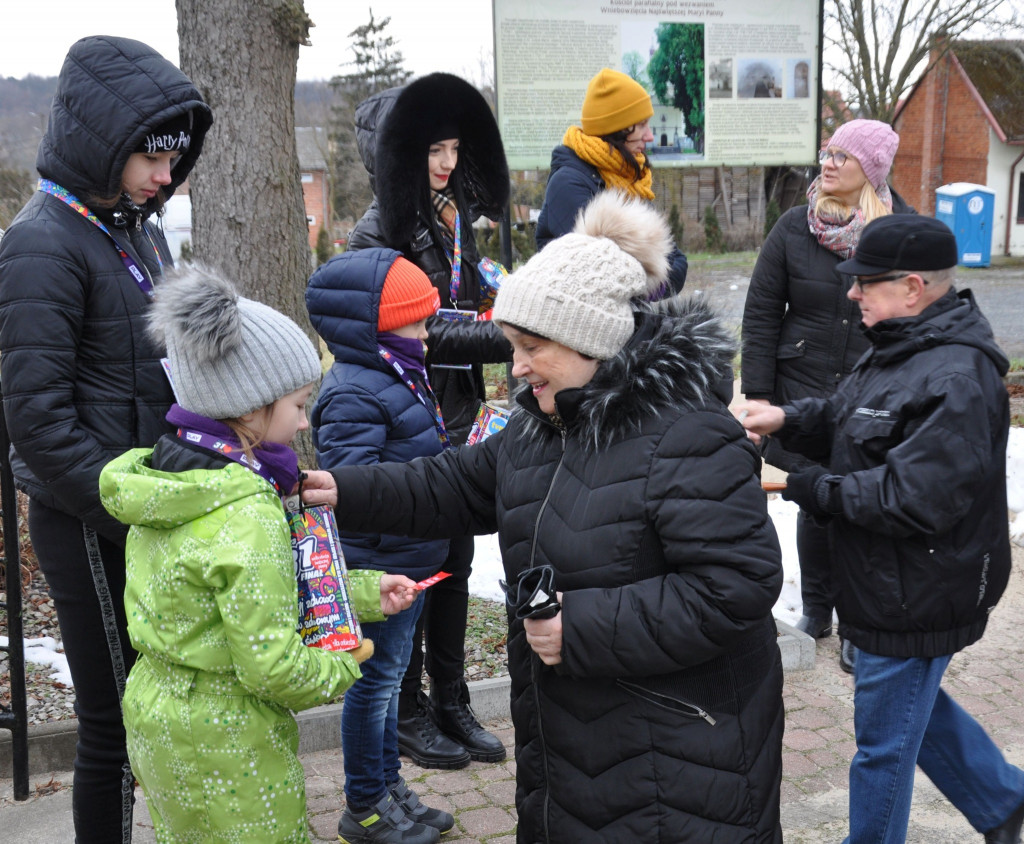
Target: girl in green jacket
x: 211, y: 595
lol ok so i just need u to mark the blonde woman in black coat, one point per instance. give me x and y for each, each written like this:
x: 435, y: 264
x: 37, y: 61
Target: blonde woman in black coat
x: 801, y: 334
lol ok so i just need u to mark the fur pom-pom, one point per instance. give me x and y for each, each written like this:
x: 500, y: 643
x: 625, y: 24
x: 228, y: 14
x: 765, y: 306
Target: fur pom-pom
x: 197, y: 309
x: 634, y: 226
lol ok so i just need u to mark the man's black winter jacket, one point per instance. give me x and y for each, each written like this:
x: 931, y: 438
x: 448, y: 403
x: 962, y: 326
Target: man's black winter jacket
x: 918, y: 431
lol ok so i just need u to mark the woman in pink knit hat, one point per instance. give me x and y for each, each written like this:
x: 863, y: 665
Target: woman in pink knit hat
x: 801, y: 334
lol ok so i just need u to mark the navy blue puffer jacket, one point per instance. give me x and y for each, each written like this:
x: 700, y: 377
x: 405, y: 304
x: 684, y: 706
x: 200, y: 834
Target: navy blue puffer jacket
x: 364, y: 413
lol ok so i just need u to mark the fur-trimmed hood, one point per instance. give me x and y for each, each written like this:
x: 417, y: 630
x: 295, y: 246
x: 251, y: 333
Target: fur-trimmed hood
x: 680, y: 356
x: 392, y: 131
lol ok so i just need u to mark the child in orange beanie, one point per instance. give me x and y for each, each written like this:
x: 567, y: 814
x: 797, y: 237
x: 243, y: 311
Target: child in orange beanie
x: 376, y: 405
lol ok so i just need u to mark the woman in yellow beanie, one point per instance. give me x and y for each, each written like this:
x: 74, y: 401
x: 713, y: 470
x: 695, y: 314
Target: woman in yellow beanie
x: 605, y: 151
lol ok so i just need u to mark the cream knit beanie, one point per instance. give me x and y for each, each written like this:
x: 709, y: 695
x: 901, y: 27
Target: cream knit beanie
x: 578, y: 290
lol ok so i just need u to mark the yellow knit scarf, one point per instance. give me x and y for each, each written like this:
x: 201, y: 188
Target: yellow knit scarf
x: 610, y: 163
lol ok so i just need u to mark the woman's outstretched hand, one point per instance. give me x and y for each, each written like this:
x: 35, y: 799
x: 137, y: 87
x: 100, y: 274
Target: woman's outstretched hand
x: 318, y: 487
x: 397, y: 592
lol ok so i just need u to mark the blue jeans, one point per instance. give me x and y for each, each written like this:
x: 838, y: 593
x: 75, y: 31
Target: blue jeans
x: 369, y: 715
x: 902, y: 718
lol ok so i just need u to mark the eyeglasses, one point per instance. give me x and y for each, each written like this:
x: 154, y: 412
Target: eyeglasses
x: 860, y: 282
x: 838, y: 158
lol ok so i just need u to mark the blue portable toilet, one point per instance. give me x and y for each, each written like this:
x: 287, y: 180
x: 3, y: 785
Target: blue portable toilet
x: 968, y: 210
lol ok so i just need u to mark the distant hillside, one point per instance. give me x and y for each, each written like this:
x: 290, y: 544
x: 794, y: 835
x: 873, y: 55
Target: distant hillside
x: 25, y: 107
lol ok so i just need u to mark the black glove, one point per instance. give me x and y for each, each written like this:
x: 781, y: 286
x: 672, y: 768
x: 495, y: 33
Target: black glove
x: 814, y: 490
x: 533, y: 594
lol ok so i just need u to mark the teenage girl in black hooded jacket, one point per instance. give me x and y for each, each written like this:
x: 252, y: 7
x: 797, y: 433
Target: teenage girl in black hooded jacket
x: 82, y: 381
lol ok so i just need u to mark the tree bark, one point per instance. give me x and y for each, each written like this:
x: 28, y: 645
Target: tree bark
x: 248, y: 218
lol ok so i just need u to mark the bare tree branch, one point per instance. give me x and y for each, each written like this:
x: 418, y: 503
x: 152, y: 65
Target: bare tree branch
x: 878, y: 52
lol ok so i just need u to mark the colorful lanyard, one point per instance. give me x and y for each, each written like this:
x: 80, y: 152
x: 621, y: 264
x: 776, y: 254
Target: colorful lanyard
x: 69, y: 199
x: 456, y: 262
x: 231, y: 452
x: 432, y: 405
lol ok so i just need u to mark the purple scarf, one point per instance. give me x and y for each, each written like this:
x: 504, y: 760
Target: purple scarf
x: 408, y: 351
x: 276, y: 462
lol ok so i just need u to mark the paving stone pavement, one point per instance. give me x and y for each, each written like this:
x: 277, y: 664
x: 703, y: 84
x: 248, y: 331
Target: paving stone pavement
x: 987, y: 679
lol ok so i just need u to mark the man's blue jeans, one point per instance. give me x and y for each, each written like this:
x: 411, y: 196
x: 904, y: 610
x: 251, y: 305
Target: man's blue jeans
x: 902, y: 718
x: 369, y: 715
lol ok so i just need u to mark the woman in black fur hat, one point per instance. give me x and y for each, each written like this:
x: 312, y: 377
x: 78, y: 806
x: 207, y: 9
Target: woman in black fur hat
x: 436, y: 164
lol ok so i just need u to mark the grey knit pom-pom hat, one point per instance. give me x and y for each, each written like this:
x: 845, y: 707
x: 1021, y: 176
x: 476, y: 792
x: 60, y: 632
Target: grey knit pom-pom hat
x: 578, y: 290
x: 228, y: 355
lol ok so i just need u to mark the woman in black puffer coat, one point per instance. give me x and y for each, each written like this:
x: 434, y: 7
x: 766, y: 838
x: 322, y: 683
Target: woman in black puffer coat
x: 82, y: 381
x: 648, y: 707
x: 801, y: 334
x: 432, y: 148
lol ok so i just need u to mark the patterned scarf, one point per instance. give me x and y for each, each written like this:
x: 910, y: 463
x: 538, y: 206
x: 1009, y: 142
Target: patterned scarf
x: 610, y: 163
x: 444, y: 207
x: 839, y: 235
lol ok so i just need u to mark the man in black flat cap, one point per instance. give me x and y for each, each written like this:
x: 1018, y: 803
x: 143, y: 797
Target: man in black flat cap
x: 915, y: 501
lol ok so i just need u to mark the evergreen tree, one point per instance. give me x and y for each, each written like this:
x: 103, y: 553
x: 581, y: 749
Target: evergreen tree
x: 713, y: 238
x: 377, y: 67
x: 677, y: 73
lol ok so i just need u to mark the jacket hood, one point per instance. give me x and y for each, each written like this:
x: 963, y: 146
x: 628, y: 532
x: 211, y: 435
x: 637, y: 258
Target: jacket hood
x: 136, y: 494
x: 111, y: 93
x: 393, y: 131
x: 678, y: 356
x: 955, y: 319
x: 343, y: 300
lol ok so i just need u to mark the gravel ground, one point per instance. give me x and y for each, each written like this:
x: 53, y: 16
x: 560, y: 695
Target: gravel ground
x: 46, y: 699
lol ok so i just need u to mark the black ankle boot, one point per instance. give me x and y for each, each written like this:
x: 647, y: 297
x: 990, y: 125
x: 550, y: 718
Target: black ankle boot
x: 456, y: 720
x: 419, y: 738
x: 816, y: 628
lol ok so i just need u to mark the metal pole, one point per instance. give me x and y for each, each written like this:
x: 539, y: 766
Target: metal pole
x: 506, y: 259
x: 16, y: 718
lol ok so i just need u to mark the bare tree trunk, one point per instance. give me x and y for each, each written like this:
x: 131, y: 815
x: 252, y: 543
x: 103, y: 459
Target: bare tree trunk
x: 726, y: 196
x: 247, y: 210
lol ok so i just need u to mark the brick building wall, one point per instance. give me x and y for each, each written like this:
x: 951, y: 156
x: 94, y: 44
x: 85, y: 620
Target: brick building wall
x: 944, y: 137
x: 315, y: 199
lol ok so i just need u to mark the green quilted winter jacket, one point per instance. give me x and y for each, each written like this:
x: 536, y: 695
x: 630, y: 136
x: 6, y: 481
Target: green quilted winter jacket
x: 211, y: 584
